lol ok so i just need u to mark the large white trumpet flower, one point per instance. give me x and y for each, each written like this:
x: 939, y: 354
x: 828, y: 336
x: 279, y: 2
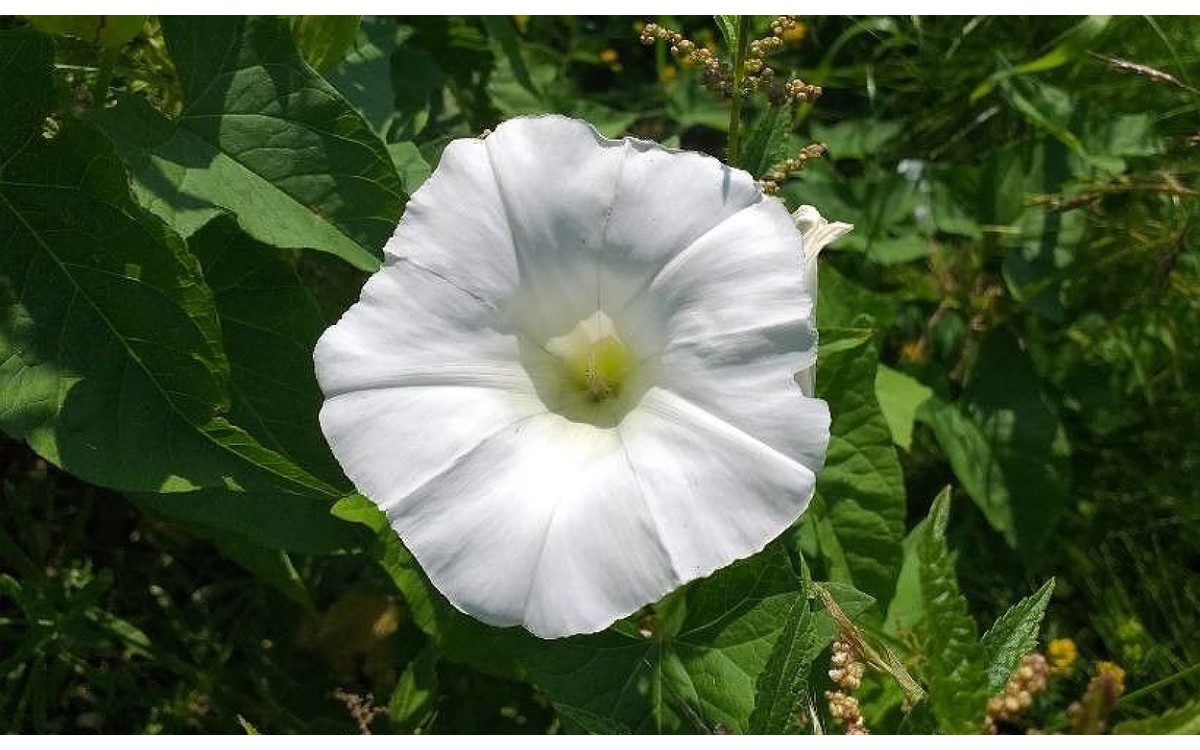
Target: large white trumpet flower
x: 571, y: 385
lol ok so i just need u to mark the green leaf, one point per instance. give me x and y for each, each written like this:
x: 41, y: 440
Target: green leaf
x: 27, y: 76
x: 412, y: 702
x: 324, y: 40
x: 767, y: 141
x: 271, y: 566
x: 899, y: 396
x: 411, y: 165
x: 1071, y: 46
x: 729, y: 29
x: 1046, y: 107
x: 270, y: 323
x: 954, y: 659
x: 110, y: 32
x: 861, y: 488
x: 858, y: 138
x: 112, y: 361
x: 1006, y: 444
x: 696, y: 671
x: 262, y: 137
x: 784, y: 683
x: 364, y: 76
x: 300, y: 523
x: 1014, y: 635
x: 1182, y: 720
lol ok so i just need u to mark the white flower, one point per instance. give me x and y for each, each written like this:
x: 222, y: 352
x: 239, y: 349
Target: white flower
x: 571, y: 385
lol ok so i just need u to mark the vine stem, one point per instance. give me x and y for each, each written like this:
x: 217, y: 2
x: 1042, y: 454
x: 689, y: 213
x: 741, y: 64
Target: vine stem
x: 739, y: 77
x: 104, y: 77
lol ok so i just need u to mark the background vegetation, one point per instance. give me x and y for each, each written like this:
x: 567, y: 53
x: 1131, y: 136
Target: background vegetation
x: 1014, y: 316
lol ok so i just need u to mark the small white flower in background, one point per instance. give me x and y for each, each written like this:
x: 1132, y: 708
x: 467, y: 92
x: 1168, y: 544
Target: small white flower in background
x: 571, y: 386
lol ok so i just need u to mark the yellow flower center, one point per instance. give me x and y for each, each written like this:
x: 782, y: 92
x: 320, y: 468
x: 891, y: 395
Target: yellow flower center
x: 594, y: 373
x: 600, y: 370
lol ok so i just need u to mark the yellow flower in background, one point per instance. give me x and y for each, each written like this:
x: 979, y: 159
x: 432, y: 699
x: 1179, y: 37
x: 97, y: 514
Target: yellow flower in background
x: 1061, y: 652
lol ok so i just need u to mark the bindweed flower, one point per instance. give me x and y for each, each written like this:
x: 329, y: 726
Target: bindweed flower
x: 571, y: 387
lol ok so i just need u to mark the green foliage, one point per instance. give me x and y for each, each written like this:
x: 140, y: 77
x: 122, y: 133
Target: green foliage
x: 1182, y: 720
x: 324, y: 40
x: 956, y: 663
x: 1002, y: 419
x: 692, y: 666
x: 860, y: 520
x: 784, y: 682
x: 1014, y: 635
x: 262, y: 137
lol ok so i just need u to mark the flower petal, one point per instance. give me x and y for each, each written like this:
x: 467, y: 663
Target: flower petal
x: 456, y: 227
x: 558, y: 179
x: 664, y: 201
x: 741, y: 276
x: 542, y: 525
x: 738, y: 325
x: 718, y: 493
x: 411, y: 327
x: 392, y: 441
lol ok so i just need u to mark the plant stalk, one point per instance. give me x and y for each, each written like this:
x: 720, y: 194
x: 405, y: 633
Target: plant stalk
x: 739, y: 78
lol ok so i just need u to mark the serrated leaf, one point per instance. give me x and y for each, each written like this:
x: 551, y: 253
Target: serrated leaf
x: 729, y: 29
x: 1182, y: 720
x: 261, y: 137
x: 767, y: 140
x: 1006, y: 444
x: 1014, y: 635
x: 324, y: 40
x: 955, y: 662
x: 699, y: 675
x: 861, y: 488
x: 783, y: 684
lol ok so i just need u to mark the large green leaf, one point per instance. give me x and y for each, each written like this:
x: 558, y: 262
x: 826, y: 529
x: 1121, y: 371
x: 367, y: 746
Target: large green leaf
x: 112, y: 365
x: 263, y: 137
x: 270, y: 323
x: 955, y: 662
x: 860, y: 516
x: 1014, y: 635
x: 697, y: 672
x: 1006, y: 444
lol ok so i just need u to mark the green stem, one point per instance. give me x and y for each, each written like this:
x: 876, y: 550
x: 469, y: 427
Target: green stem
x: 104, y: 77
x: 1136, y: 694
x: 739, y: 78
